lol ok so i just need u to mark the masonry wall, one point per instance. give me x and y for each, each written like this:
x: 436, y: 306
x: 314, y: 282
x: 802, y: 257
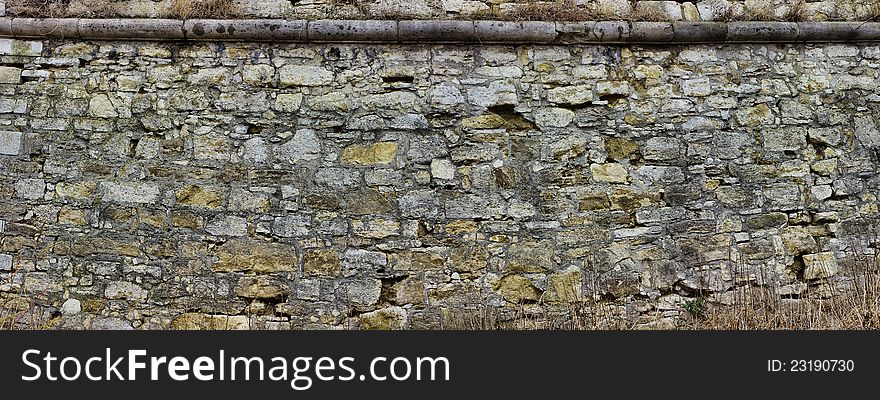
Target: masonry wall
x: 275, y: 186
x: 695, y: 10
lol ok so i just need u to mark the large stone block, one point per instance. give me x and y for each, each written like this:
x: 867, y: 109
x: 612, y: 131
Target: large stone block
x: 10, y: 143
x: 255, y: 256
x: 303, y: 75
x: 820, y: 266
x: 321, y: 262
x: 376, y: 153
x: 130, y: 192
x: 10, y: 75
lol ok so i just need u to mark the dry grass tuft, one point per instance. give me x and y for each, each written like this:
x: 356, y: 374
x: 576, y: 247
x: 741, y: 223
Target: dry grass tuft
x: 848, y: 300
x: 730, y: 14
x: 91, y: 9
x: 562, y: 10
x: 61, y: 8
x: 214, y: 9
x: 872, y: 13
x: 796, y: 12
x: 37, y: 8
x: 763, y: 12
x: 646, y: 13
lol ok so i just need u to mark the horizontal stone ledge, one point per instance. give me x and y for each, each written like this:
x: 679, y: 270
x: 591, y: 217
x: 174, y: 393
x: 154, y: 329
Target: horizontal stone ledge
x: 439, y: 31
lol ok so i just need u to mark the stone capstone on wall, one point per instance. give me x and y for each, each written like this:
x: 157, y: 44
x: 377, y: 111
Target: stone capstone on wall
x: 242, y: 185
x: 530, y: 10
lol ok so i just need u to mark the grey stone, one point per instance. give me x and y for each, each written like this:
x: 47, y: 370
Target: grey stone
x: 227, y: 225
x: 652, y: 32
x: 10, y: 75
x: 697, y: 32
x: 498, y: 93
x: 866, y: 131
x: 784, y: 139
x: 752, y: 32
x: 654, y: 175
x: 611, y: 31
x: 442, y: 169
x: 71, y: 307
x: 830, y: 136
x: 696, y: 87
x: 245, y: 29
x: 130, y: 192
x: 255, y: 150
x: 475, y: 206
x: 571, y: 95
x: 426, y: 148
x: 436, y: 31
x: 292, y: 226
x: 514, y: 32
x: 110, y: 324
x: 337, y: 177
x: 30, y: 189
x: 446, y: 95
x: 360, y: 259
x: 659, y: 149
x: 304, y: 75
x: 355, y: 31
x: 409, y: 122
x: 361, y: 292
x: 62, y: 28
x: 303, y: 146
x: 784, y: 197
x: 139, y: 29
x: 5, y: 262
x: 122, y: 290
x: 420, y: 204
x: 10, y: 143
x: 13, y: 47
x: 553, y: 117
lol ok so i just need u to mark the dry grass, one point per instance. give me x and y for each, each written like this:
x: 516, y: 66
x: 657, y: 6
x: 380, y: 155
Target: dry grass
x: 645, y: 13
x: 763, y: 12
x: 37, y: 8
x: 183, y: 9
x: 872, y: 12
x: 358, y: 5
x: 21, y: 309
x: 217, y: 9
x: 848, y: 300
x: 796, y: 12
x: 61, y: 8
x: 562, y: 10
x: 853, y: 303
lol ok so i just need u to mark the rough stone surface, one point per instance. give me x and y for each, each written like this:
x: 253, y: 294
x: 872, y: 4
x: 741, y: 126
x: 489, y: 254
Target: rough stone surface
x: 10, y: 143
x: 650, y: 10
x: 71, y: 307
x: 820, y: 265
x: 247, y: 185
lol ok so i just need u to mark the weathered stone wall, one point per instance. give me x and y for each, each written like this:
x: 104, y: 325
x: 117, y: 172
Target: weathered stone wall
x: 679, y: 10
x: 235, y: 185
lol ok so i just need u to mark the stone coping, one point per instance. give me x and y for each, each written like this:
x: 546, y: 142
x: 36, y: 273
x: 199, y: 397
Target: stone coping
x: 439, y: 31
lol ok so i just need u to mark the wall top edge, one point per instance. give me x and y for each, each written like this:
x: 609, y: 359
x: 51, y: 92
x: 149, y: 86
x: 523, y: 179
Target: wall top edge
x: 439, y: 31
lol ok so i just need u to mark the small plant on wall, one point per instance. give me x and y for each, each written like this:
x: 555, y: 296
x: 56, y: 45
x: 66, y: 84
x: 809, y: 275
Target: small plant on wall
x: 220, y: 9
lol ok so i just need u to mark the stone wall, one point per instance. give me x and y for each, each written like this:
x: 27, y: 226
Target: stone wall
x: 271, y: 186
x: 695, y: 10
